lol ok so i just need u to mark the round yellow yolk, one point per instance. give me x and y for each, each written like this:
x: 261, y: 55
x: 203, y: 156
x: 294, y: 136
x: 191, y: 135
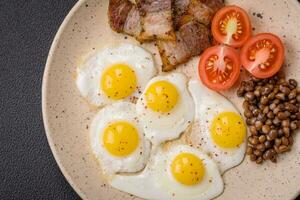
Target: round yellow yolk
x: 118, y: 81
x: 228, y: 130
x: 120, y: 138
x: 161, y: 96
x: 187, y: 169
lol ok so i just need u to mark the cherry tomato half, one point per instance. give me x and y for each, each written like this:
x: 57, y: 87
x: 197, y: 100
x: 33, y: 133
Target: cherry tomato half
x: 263, y: 55
x: 219, y: 67
x: 231, y: 25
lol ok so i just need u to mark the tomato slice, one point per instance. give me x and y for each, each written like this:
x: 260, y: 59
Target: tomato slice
x: 219, y: 67
x: 231, y: 25
x: 263, y: 55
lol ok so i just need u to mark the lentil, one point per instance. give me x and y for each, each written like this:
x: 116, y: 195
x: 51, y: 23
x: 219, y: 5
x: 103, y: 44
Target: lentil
x: 271, y: 108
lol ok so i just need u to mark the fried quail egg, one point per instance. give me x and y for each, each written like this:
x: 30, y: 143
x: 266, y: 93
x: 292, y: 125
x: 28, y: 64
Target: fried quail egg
x: 117, y: 139
x: 178, y: 173
x: 165, y: 107
x: 115, y: 73
x: 218, y: 128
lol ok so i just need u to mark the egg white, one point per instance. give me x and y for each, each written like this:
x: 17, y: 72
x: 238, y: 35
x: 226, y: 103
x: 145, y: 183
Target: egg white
x: 208, y: 105
x: 156, y: 182
x: 162, y: 127
x: 90, y: 72
x: 121, y: 111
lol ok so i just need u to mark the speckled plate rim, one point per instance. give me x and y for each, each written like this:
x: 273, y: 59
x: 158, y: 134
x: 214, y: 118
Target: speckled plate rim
x: 44, y: 96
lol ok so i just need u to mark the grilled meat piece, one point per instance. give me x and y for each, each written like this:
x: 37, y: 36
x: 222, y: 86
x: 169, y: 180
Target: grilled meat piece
x: 124, y: 17
x: 196, y: 36
x: 215, y: 5
x: 132, y: 24
x: 201, y: 10
x: 152, y: 19
x: 192, y: 20
x: 173, y: 53
x: 117, y: 13
x: 192, y: 38
x: 180, y: 8
x: 156, y: 19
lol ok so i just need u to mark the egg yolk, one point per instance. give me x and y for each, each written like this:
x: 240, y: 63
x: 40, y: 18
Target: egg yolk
x: 228, y: 130
x: 187, y: 169
x: 118, y: 81
x: 120, y: 138
x: 161, y: 96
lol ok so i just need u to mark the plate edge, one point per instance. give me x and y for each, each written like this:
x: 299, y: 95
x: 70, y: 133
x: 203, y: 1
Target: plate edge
x: 44, y: 96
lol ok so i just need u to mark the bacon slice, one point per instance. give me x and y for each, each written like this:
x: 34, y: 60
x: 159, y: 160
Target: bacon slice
x: 180, y: 9
x: 152, y: 19
x: 156, y: 19
x: 196, y: 36
x: 192, y: 38
x: 132, y: 25
x: 192, y: 19
x: 117, y: 13
x: 124, y: 17
x: 173, y: 52
x: 201, y: 10
x: 215, y: 5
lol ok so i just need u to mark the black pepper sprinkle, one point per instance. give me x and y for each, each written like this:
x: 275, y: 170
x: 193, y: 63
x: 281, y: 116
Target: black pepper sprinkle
x: 259, y: 15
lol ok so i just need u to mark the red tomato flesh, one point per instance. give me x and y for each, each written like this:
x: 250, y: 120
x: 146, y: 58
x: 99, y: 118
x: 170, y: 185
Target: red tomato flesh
x: 231, y: 25
x: 263, y: 55
x: 219, y: 67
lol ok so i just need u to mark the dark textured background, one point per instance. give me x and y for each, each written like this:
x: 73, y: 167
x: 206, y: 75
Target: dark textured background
x: 27, y: 167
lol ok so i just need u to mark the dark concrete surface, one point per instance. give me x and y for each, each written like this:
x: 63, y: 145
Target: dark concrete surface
x: 27, y: 167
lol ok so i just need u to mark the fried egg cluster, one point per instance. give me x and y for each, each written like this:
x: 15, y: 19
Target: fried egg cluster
x: 158, y: 136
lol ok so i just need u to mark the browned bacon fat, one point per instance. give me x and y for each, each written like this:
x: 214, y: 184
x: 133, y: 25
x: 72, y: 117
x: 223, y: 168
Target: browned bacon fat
x: 201, y: 10
x: 192, y: 19
x: 124, y: 17
x: 132, y: 25
x: 180, y: 8
x: 191, y: 39
x: 117, y: 13
x: 152, y: 19
x: 215, y: 5
x: 156, y: 19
